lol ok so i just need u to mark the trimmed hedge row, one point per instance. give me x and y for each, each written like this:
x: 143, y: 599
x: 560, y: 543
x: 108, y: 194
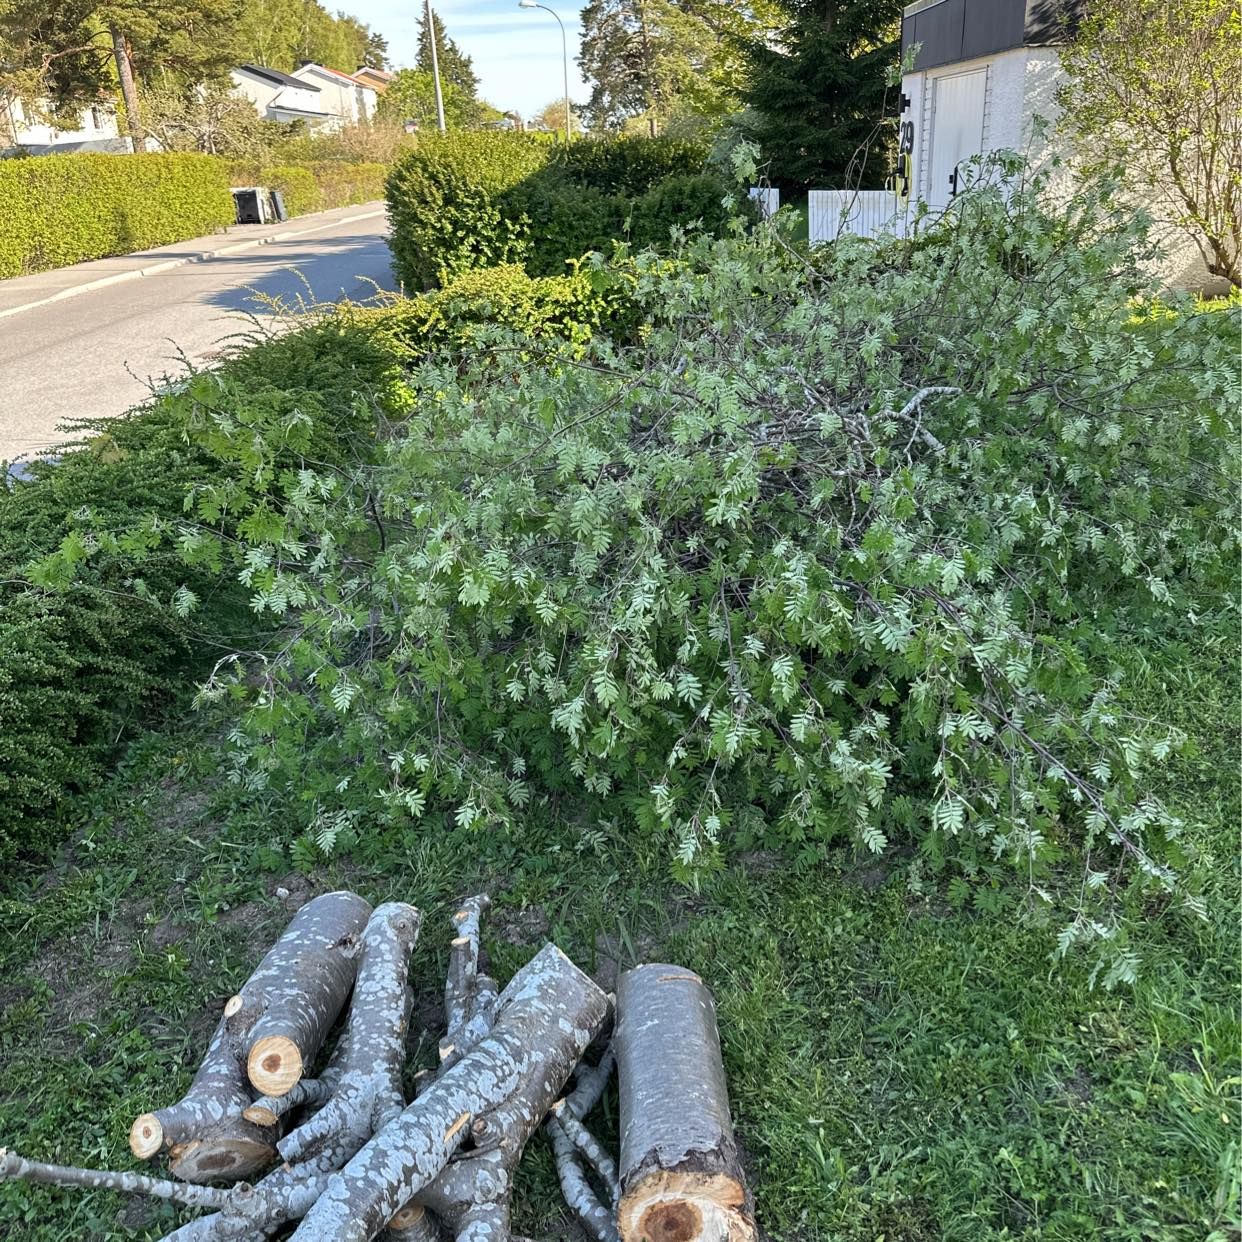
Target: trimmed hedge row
x: 62, y: 209
x: 316, y: 185
x: 475, y: 200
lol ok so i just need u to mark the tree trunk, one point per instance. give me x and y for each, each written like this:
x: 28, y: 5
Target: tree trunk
x: 129, y: 92
x: 273, y: 1027
x: 681, y: 1178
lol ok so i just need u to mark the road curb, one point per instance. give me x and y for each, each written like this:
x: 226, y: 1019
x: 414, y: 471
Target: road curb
x: 166, y: 265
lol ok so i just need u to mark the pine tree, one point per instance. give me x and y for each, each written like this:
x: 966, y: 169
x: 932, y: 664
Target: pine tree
x: 455, y: 66
x: 618, y: 58
x: 819, y: 92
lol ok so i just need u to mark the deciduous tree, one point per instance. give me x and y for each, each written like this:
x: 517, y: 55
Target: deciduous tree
x: 1157, y: 86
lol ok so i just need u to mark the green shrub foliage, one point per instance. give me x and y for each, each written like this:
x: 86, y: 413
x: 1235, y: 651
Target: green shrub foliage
x: 96, y: 637
x: 477, y: 200
x: 61, y: 209
x: 821, y: 558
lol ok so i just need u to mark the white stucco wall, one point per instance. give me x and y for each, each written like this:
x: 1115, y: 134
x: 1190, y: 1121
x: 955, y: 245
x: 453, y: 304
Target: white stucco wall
x: 1022, y: 85
x: 91, y: 125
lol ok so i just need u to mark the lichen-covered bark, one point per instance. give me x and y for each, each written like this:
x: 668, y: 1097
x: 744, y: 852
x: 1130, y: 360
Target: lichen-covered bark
x: 209, y: 1138
x: 13, y: 1166
x: 365, y: 1079
x: 680, y: 1171
x: 544, y: 1021
x: 469, y: 994
x: 300, y: 985
x: 291, y: 1001
x: 599, y: 1221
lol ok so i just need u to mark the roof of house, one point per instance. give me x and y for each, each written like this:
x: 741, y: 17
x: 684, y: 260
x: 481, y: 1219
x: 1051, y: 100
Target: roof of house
x: 276, y: 76
x: 947, y: 32
x: 383, y: 74
x: 331, y: 73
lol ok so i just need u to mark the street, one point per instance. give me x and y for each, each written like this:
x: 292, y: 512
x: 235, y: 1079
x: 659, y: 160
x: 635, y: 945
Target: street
x: 99, y: 352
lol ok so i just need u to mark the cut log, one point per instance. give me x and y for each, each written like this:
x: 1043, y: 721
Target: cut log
x: 296, y: 993
x: 681, y: 1177
x: 469, y: 994
x: 364, y: 1077
x: 545, y: 1019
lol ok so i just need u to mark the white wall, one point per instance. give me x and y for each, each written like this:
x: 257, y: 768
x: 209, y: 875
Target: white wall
x: 1022, y: 85
x: 348, y: 101
x: 269, y: 97
x: 91, y: 124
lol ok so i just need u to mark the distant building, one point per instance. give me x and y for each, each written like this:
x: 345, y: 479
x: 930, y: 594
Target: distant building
x: 378, y: 80
x: 93, y: 128
x: 280, y: 96
x: 348, y: 101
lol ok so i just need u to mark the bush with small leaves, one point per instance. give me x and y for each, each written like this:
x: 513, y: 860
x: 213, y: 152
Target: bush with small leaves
x: 819, y: 558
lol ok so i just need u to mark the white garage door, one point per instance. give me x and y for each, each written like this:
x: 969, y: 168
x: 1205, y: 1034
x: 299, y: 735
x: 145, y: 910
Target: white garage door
x: 957, y: 129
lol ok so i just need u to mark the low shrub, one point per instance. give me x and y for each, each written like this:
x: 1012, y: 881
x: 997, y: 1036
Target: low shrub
x: 62, y: 209
x: 95, y: 638
x: 315, y: 186
x: 824, y: 557
x: 476, y: 200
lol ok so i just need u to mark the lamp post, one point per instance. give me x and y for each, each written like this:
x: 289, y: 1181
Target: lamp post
x: 533, y: 4
x: 435, y: 68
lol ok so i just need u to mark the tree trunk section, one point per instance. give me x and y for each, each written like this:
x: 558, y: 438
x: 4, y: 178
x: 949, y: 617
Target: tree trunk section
x: 681, y: 1178
x: 129, y: 91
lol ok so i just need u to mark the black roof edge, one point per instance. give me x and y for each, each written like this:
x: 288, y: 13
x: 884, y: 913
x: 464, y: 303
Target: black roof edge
x: 275, y: 75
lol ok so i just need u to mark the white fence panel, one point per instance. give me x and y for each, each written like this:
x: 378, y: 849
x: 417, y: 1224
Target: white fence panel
x: 865, y: 213
x: 769, y: 200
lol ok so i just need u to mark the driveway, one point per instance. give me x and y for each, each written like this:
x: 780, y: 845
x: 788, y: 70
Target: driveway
x: 102, y: 350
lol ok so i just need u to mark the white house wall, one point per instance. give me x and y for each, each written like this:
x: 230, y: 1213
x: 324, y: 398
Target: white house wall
x: 93, y: 125
x: 1022, y: 85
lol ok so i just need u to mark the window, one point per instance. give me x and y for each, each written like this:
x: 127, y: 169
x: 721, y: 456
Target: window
x: 96, y: 119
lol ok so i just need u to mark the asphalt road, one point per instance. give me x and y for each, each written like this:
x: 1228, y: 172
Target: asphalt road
x: 99, y: 353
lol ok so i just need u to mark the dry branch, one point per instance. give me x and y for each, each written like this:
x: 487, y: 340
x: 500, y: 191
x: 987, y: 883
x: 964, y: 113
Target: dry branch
x: 681, y: 1177
x: 270, y: 1030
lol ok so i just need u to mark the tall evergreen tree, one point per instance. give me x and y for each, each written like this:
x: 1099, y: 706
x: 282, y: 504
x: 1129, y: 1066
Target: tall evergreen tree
x: 818, y: 92
x: 618, y: 58
x: 455, y: 66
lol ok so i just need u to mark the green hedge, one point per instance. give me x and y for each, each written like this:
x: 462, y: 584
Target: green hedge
x: 61, y: 209
x: 474, y: 200
x: 91, y: 644
x: 316, y: 185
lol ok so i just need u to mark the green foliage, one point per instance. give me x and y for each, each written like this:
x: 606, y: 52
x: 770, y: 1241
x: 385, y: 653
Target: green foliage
x: 466, y: 313
x: 821, y: 558
x: 96, y: 636
x: 62, y: 209
x: 1157, y: 87
x: 80, y: 667
x: 475, y: 200
x: 315, y: 185
x: 818, y: 92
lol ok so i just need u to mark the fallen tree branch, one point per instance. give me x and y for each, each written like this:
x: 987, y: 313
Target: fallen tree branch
x: 270, y: 1031
x: 15, y: 1167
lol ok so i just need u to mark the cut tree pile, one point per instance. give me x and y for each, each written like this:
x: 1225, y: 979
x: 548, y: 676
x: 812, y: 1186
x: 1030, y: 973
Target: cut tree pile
x: 342, y: 1157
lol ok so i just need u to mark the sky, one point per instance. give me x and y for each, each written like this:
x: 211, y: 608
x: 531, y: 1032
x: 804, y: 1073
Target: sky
x: 516, y: 52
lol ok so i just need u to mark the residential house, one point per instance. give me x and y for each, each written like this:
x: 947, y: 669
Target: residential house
x: 281, y: 97
x: 983, y: 71
x: 348, y: 101
x: 93, y: 128
x: 378, y: 80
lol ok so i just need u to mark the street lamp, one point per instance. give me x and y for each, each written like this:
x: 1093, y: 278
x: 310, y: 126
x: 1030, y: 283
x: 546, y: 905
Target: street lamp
x: 532, y: 4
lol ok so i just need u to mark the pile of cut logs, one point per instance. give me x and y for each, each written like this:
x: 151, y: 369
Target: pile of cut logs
x: 264, y: 1148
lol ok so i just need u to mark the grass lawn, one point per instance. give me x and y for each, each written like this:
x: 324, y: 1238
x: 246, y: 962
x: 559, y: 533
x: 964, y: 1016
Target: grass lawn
x: 901, y: 1067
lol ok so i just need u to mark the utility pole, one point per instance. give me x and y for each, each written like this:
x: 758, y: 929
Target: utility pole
x: 435, y: 68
